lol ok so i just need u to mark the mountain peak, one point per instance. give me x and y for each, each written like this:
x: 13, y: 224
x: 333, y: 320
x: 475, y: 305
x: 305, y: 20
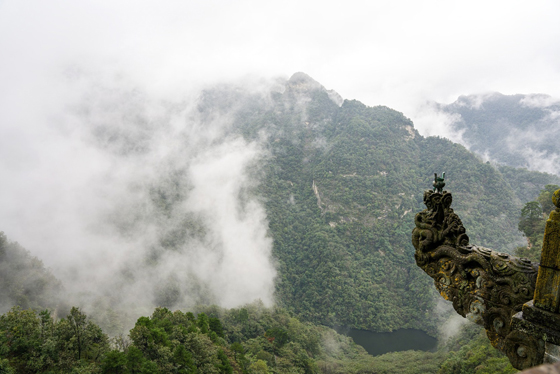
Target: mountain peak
x: 303, y: 81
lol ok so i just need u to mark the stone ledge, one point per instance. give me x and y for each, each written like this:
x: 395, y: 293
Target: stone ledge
x: 520, y: 323
x: 540, y: 316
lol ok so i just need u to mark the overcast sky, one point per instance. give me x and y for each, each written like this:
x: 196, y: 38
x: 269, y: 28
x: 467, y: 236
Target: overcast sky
x: 395, y: 53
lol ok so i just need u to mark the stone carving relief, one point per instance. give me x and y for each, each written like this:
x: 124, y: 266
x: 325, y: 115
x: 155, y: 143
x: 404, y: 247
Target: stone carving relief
x: 485, y: 286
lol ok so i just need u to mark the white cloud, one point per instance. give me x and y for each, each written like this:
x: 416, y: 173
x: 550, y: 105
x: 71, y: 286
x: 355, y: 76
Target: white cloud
x: 430, y: 122
x: 539, y: 101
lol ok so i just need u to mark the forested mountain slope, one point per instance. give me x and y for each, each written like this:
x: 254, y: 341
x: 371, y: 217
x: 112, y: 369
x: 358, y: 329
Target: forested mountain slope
x: 24, y: 281
x: 341, y: 186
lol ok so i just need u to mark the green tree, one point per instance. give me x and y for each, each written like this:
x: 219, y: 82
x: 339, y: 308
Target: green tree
x: 278, y: 336
x: 202, y: 322
x: 20, y: 339
x: 134, y: 360
x: 80, y: 337
x: 5, y: 367
x: 203, y: 351
x: 114, y: 362
x: 258, y: 367
x: 224, y: 366
x: 237, y: 349
x: 531, y: 219
x: 216, y: 326
x: 184, y: 360
x: 545, y: 198
x: 35, y: 343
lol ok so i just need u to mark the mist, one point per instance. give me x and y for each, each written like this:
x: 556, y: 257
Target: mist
x: 514, y: 130
x: 138, y: 200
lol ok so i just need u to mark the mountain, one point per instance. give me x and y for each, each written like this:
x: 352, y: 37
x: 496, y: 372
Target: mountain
x: 512, y: 130
x: 334, y: 183
x: 341, y: 185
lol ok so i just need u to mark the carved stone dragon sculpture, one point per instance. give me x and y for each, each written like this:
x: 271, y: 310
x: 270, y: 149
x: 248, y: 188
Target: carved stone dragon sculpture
x: 485, y: 286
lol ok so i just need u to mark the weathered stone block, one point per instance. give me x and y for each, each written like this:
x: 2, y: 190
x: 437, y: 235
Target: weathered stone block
x: 520, y: 323
x: 550, y: 256
x: 540, y: 316
x: 547, y: 289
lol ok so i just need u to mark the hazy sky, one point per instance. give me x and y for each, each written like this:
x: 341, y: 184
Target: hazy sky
x: 395, y: 53
x: 74, y: 72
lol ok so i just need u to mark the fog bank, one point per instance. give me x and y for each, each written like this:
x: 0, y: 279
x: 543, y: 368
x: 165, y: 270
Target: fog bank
x: 137, y: 199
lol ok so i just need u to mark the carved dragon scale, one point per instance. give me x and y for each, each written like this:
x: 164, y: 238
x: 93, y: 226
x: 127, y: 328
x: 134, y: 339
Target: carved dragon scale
x: 485, y: 286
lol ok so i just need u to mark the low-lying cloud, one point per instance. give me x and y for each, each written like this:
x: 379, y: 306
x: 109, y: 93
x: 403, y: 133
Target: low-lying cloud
x: 430, y: 121
x: 139, y: 200
x: 515, y: 130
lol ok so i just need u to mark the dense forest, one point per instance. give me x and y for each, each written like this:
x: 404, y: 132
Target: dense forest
x: 251, y: 339
x: 353, y: 177
x: 340, y: 183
